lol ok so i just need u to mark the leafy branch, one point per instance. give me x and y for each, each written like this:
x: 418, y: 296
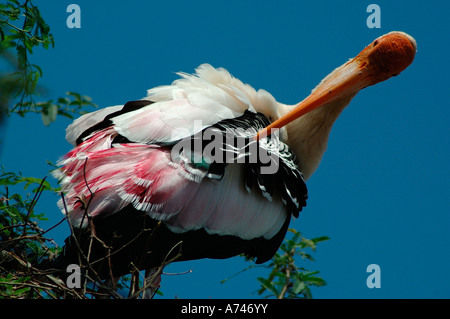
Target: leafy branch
x: 23, y: 246
x: 286, y: 280
x: 22, y: 241
x: 22, y: 28
x: 71, y: 105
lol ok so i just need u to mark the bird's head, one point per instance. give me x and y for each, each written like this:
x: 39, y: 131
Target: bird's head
x: 385, y: 57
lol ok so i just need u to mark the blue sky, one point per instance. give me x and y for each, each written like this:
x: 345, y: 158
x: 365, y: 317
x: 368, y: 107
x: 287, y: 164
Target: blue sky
x: 381, y: 192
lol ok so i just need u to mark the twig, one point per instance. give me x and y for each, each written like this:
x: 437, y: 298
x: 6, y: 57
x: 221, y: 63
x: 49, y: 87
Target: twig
x: 177, y: 273
x: 36, y: 197
x: 80, y: 252
x: 159, y: 270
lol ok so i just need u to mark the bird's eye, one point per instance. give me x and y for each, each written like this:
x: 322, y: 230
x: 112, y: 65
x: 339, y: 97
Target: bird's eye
x: 375, y: 43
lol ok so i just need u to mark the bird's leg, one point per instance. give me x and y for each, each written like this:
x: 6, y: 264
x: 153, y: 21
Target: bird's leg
x: 152, y: 282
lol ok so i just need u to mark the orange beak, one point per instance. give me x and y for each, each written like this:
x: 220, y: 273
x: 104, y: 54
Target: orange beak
x: 385, y: 57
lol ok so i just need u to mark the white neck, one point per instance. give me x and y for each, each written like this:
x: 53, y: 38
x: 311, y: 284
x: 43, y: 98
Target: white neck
x: 308, y: 135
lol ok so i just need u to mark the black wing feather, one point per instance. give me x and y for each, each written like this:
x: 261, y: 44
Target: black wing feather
x: 288, y: 179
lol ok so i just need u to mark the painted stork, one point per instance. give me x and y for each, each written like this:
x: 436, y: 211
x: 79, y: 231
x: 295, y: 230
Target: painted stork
x: 207, y: 165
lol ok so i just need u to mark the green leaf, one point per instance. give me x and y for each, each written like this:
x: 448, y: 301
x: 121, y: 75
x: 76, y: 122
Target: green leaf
x: 320, y: 239
x: 298, y: 287
x: 74, y: 94
x: 45, y: 119
x: 266, y: 285
x: 66, y: 114
x: 64, y: 100
x: 21, y: 56
x: 53, y: 112
x: 49, y: 114
x: 38, y: 68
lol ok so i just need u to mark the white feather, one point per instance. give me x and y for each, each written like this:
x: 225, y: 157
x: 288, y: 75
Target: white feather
x: 81, y: 124
x: 218, y: 208
x: 187, y: 106
x: 192, y: 103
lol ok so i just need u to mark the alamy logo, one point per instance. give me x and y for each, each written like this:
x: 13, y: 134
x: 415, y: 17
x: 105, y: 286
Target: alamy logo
x: 74, y: 19
x: 374, y: 279
x: 374, y: 19
x: 74, y: 279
